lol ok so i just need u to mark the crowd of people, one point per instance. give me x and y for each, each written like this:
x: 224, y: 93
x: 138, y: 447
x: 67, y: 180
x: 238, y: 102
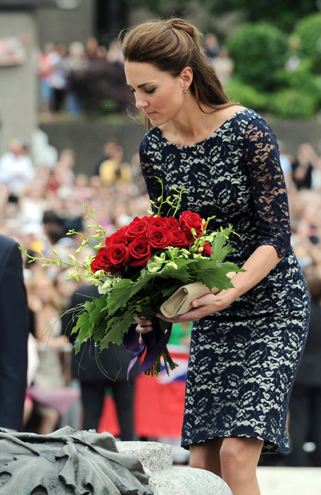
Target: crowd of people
x: 38, y: 205
x: 78, y: 78
x: 82, y: 77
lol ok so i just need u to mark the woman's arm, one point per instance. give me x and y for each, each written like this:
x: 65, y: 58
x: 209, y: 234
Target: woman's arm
x: 257, y: 267
x: 270, y: 208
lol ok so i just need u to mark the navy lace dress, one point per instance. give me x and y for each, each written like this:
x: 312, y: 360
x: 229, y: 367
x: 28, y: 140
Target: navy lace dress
x: 242, y: 360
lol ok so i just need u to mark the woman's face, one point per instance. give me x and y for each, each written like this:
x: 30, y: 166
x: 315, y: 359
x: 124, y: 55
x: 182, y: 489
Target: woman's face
x: 157, y: 93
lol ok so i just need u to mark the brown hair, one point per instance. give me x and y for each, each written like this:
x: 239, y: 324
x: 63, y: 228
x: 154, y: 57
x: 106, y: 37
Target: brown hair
x: 170, y: 46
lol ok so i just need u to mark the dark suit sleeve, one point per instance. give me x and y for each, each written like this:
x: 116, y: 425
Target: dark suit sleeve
x: 14, y: 339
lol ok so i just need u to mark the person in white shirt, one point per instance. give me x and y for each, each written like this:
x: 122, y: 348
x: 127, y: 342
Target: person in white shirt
x: 16, y: 169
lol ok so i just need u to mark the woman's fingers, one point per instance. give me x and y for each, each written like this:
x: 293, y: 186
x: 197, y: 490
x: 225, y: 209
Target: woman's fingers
x: 141, y: 320
x: 141, y: 329
x: 143, y: 325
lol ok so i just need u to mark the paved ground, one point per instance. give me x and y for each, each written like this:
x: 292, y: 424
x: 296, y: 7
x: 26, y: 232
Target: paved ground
x: 290, y: 481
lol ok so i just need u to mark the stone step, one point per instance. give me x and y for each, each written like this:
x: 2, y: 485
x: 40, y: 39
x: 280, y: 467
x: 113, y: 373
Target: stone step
x: 165, y: 478
x: 289, y: 480
x: 187, y: 481
x: 153, y: 455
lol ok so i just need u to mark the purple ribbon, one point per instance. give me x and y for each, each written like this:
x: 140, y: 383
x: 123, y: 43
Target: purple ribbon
x: 153, y: 343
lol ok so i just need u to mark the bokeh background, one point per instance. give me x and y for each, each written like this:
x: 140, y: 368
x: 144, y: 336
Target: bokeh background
x: 69, y: 137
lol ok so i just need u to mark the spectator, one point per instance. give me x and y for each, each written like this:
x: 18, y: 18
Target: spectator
x: 286, y: 165
x: 44, y: 70
x: 305, y: 165
x: 211, y: 46
x: 109, y: 151
x: 45, y: 303
x: 98, y: 372
x: 223, y: 65
x: 91, y: 49
x: 305, y: 403
x: 75, y: 64
x: 16, y: 169
x: 114, y: 170
x: 14, y: 336
x: 115, y: 55
x: 57, y: 78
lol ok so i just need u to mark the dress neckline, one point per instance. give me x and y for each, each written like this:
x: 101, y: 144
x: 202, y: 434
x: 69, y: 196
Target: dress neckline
x: 217, y: 131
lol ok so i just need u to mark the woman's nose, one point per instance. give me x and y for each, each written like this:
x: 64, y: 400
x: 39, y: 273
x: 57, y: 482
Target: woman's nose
x: 140, y: 102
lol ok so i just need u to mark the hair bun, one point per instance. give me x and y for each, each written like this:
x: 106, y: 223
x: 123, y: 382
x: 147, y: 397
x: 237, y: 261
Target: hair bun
x: 182, y: 25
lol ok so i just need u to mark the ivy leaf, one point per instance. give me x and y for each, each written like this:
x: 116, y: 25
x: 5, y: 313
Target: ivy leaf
x: 94, y: 312
x: 83, y: 330
x: 180, y: 273
x: 96, y: 308
x: 119, y: 295
x: 141, y: 284
x: 219, y: 247
x: 100, y: 330
x: 117, y: 327
x: 214, y: 275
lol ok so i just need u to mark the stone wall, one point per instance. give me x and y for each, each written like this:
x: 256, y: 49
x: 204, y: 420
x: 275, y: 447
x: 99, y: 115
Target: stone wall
x: 66, y: 25
x: 18, y: 83
x: 87, y: 138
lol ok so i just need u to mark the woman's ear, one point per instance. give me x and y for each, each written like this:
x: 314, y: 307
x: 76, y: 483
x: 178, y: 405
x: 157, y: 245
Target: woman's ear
x: 186, y: 78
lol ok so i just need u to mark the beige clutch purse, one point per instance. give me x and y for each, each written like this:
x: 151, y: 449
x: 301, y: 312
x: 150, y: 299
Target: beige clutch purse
x: 181, y: 300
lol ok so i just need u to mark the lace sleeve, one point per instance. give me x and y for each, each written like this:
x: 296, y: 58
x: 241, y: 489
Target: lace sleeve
x: 268, y: 186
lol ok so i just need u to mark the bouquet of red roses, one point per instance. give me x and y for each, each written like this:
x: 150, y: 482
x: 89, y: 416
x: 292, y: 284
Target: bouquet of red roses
x: 139, y: 267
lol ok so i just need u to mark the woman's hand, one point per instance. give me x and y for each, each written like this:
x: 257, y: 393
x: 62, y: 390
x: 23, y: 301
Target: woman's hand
x: 206, y: 305
x: 143, y: 325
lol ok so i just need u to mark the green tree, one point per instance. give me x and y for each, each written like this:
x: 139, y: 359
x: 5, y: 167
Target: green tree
x: 260, y: 53
x: 283, y: 14
x: 308, y: 33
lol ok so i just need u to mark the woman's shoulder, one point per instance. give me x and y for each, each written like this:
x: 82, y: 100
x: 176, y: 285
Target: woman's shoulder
x: 256, y: 125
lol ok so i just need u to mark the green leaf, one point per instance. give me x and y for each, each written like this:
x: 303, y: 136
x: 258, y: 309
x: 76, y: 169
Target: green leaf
x: 141, y: 284
x: 180, y: 273
x: 214, y: 275
x: 117, y: 327
x: 169, y: 290
x: 100, y: 330
x: 119, y: 295
x: 94, y: 311
x: 220, y: 247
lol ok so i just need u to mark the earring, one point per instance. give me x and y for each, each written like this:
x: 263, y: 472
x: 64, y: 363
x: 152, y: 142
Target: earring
x: 185, y: 91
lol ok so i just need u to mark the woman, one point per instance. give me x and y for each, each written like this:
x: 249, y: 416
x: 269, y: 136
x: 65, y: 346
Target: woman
x: 247, y: 340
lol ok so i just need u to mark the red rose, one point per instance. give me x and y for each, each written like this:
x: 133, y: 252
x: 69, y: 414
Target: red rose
x: 158, y: 237
x: 207, y: 249
x: 158, y: 222
x: 118, y: 237
x: 101, y: 261
x: 177, y: 238
x: 140, y: 250
x: 172, y: 223
x: 136, y: 228
x: 190, y: 220
x: 118, y: 255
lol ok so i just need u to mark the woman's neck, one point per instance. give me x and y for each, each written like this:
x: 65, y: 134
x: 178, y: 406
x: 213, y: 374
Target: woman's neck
x: 190, y: 123
x: 193, y: 124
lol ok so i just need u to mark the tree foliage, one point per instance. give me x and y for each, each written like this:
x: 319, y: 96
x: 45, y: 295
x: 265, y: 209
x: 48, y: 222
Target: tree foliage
x: 308, y: 33
x: 261, y: 52
x: 283, y: 14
